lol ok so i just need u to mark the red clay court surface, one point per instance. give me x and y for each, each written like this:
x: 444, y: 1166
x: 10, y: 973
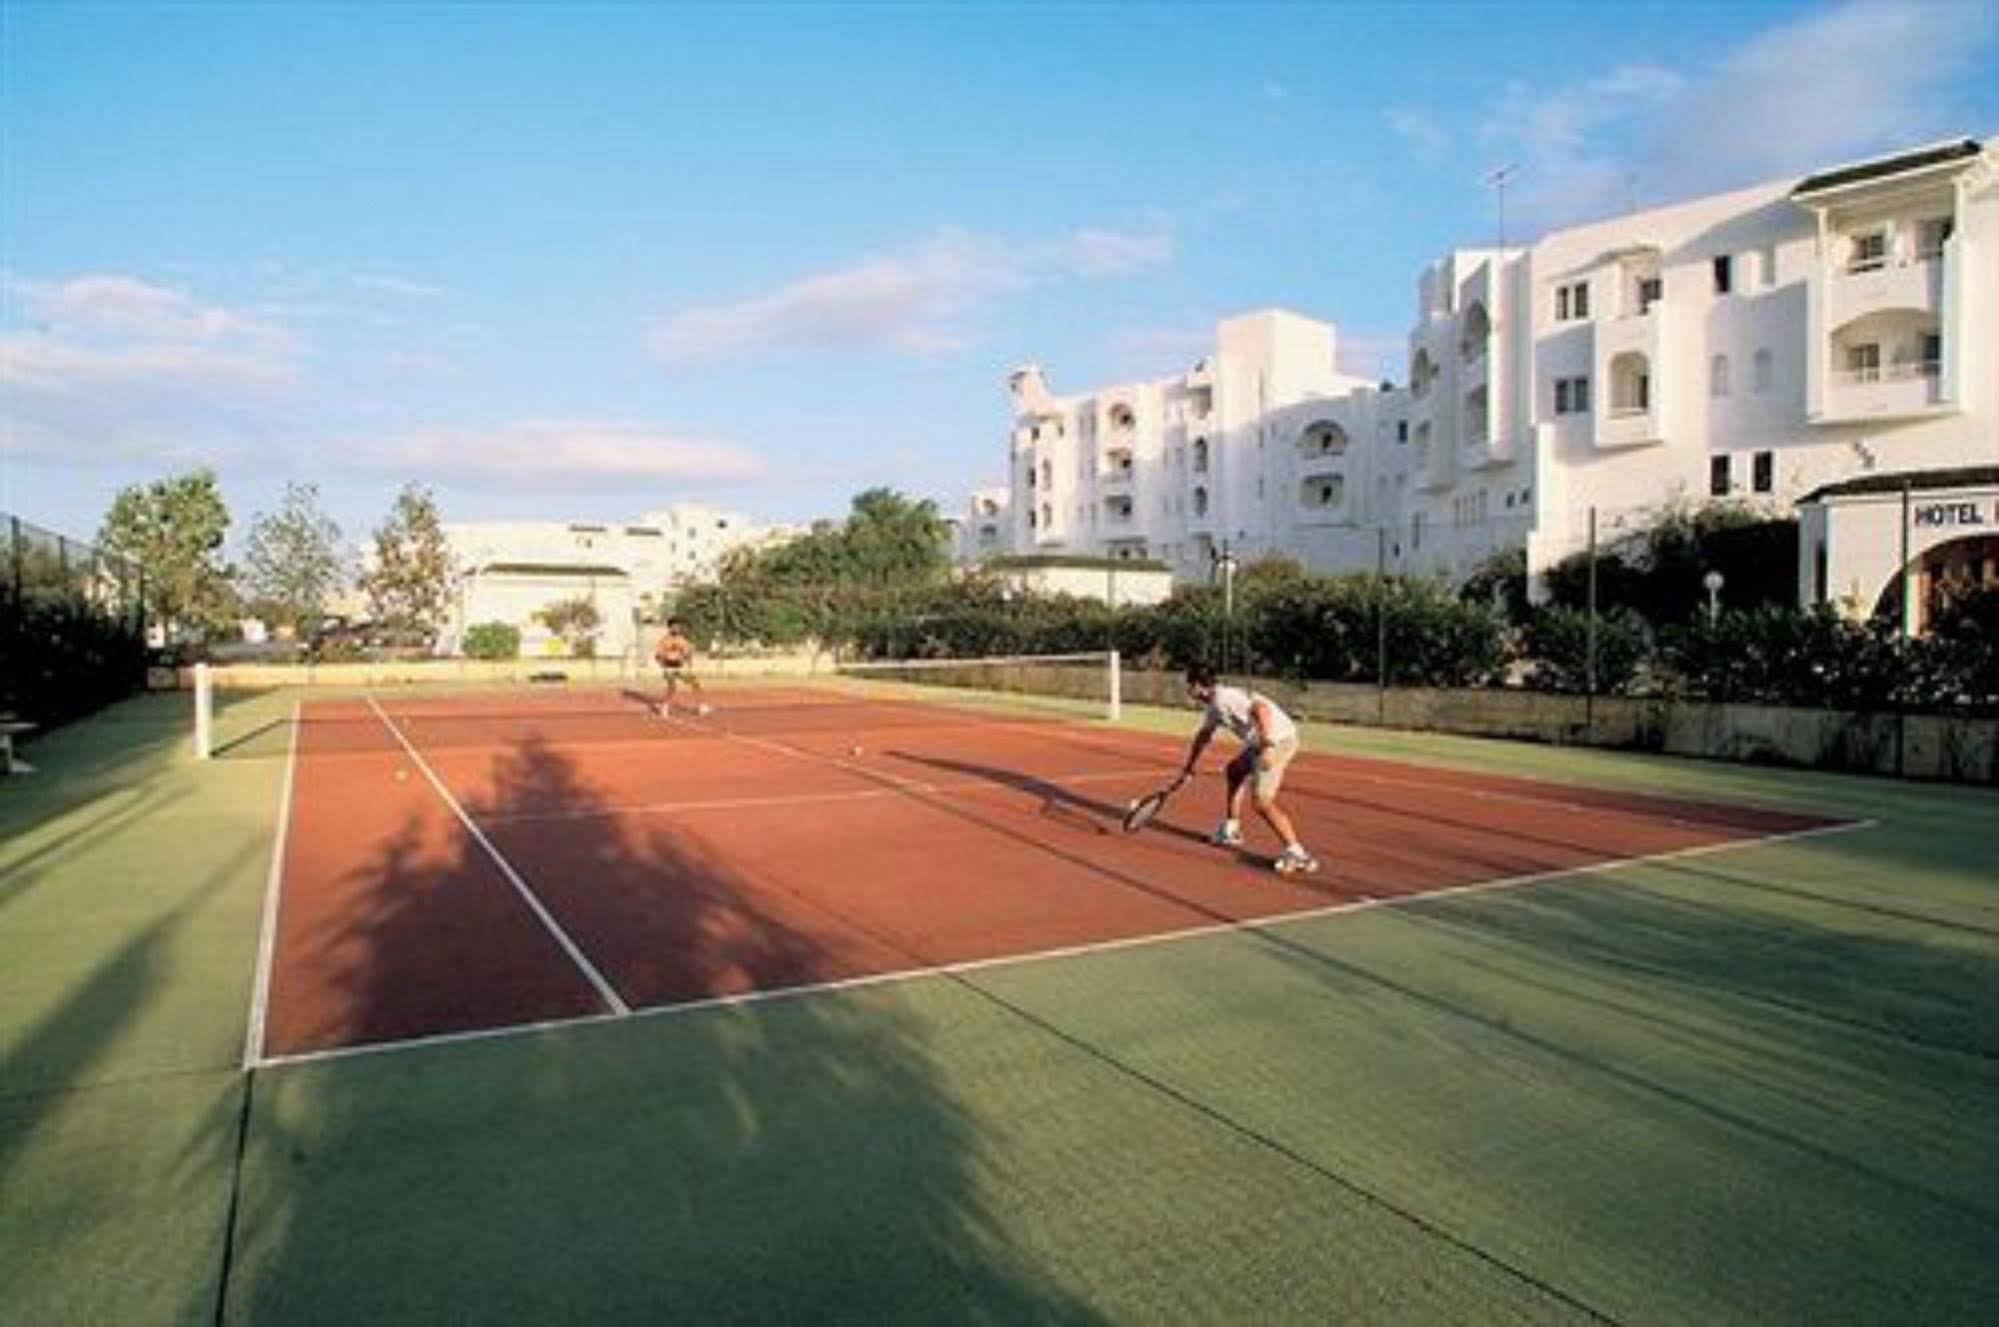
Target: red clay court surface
x: 625, y: 862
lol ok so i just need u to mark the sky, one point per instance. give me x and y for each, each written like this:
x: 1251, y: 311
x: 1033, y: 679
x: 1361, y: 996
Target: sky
x: 580, y: 261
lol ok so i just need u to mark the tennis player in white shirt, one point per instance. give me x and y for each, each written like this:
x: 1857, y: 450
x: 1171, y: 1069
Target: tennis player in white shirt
x: 1269, y: 741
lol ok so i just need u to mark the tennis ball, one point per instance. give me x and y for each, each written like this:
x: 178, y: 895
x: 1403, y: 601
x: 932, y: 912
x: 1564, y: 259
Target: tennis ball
x: 402, y: 774
x: 855, y: 752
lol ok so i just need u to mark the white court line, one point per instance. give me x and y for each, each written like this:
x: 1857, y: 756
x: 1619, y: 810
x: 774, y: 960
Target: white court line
x: 267, y: 934
x: 596, y: 979
x: 1252, y: 926
x: 810, y: 799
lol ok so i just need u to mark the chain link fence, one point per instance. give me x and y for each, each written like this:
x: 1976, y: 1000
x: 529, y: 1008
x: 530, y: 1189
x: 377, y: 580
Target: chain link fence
x: 72, y: 625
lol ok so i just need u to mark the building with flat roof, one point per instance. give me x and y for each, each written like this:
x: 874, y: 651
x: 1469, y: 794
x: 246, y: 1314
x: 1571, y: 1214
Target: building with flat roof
x: 1755, y: 345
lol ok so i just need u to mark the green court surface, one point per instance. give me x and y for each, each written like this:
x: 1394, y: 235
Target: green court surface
x: 1757, y: 1085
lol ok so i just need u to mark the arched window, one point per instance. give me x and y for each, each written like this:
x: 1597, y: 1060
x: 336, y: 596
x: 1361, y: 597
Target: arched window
x: 1477, y: 329
x: 1717, y: 377
x: 1200, y: 456
x: 1200, y: 502
x: 1047, y: 474
x: 1047, y: 515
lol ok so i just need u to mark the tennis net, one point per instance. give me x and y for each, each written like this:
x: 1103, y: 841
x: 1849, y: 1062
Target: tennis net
x: 843, y: 698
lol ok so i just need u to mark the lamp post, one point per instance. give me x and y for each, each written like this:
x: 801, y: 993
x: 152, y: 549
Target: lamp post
x: 1713, y: 582
x: 1226, y: 565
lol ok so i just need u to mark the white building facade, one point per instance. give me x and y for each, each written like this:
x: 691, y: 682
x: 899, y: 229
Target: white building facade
x: 1756, y: 345
x: 508, y: 571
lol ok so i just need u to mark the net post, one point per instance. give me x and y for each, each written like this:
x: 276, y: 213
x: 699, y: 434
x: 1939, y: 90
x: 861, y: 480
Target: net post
x: 1116, y: 687
x: 203, y: 712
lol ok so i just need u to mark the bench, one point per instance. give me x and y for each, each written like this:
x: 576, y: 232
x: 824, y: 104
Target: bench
x: 11, y: 728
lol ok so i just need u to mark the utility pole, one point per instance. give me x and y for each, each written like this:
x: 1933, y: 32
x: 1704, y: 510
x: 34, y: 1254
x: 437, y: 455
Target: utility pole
x: 1497, y: 182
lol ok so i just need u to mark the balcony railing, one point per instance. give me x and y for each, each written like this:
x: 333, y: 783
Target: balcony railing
x: 1926, y: 368
x: 1629, y: 411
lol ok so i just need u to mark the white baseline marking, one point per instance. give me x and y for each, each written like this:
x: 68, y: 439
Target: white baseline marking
x: 605, y: 991
x: 1251, y: 926
x: 267, y: 932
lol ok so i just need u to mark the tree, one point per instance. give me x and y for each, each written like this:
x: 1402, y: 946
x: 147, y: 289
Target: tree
x: 173, y: 528
x: 410, y: 581
x: 292, y: 562
x: 576, y: 621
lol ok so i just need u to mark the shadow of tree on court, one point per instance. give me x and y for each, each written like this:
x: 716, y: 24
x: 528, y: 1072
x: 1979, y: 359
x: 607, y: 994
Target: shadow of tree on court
x: 791, y: 1159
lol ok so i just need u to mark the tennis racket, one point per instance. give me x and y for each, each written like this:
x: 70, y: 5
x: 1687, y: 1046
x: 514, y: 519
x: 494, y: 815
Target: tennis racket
x: 1140, y: 813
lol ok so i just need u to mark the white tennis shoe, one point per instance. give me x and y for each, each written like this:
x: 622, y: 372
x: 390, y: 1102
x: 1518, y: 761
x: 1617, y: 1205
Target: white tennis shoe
x: 1294, y: 860
x: 1228, y: 834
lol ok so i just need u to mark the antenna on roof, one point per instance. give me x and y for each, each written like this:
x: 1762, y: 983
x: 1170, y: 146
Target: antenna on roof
x: 1497, y: 182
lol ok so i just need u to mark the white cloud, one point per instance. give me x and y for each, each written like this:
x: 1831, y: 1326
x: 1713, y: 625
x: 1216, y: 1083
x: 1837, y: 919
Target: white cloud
x: 1832, y: 85
x: 560, y: 456
x: 915, y: 301
x: 107, y: 330
x: 1422, y: 131
x: 382, y: 283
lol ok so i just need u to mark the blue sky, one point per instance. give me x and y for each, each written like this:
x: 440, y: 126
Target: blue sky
x: 583, y: 260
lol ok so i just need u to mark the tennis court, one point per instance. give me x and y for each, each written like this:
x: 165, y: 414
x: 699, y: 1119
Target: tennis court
x: 480, y: 861
x: 850, y: 1004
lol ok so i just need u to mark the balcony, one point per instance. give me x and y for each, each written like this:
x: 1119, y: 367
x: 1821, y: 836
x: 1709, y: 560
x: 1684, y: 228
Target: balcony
x: 1321, y: 500
x: 1876, y: 285
x: 1118, y: 469
x: 1893, y: 391
x: 1118, y: 511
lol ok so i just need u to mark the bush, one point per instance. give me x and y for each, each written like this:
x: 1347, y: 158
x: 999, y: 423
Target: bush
x: 492, y: 640
x: 61, y: 658
x: 1556, y: 643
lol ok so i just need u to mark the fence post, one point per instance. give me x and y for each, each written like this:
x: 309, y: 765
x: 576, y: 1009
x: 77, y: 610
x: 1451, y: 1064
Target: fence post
x: 1117, y: 687
x: 203, y: 711
x: 1589, y: 665
x: 1381, y: 625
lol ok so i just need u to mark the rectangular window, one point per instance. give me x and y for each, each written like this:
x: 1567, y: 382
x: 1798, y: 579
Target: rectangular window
x: 1582, y: 299
x: 1561, y: 396
x: 1932, y: 354
x: 1650, y: 290
x: 1863, y: 362
x: 1572, y: 302
x: 1762, y: 471
x: 1717, y: 477
x: 1870, y: 252
x: 1561, y: 304
x: 1402, y: 430
x: 1931, y: 236
x: 1579, y: 395
x: 1724, y: 274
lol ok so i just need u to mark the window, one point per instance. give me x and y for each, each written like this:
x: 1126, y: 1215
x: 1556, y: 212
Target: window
x: 1765, y: 371
x: 1762, y: 470
x: 1572, y: 302
x: 1717, y: 377
x: 1572, y: 396
x: 1651, y: 290
x: 1718, y: 482
x: 1724, y: 274
x: 1047, y: 474
x: 1932, y: 362
x: 1200, y: 502
x: 1402, y: 430
x: 1930, y: 237
x: 1863, y: 362
x: 1870, y: 252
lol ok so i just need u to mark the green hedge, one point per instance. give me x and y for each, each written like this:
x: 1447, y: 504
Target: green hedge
x: 61, y: 657
x: 493, y: 640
